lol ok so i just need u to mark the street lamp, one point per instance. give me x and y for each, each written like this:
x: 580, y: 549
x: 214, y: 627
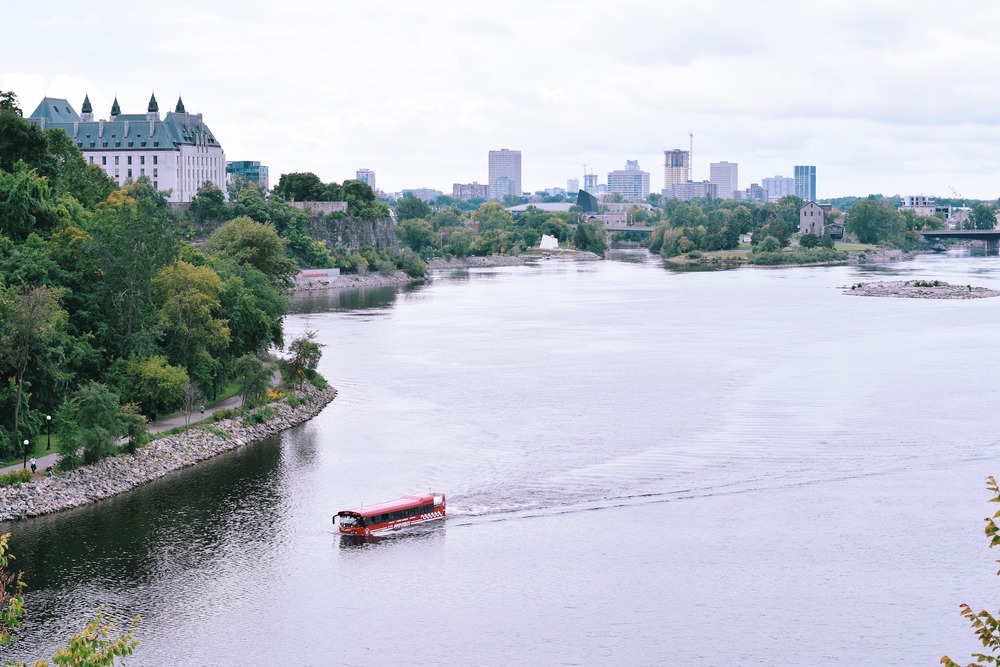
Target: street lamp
x: 25, y: 452
x: 48, y: 431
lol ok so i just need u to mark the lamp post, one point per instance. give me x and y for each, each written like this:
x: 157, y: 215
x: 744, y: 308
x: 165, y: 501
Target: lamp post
x: 25, y: 453
x: 48, y: 431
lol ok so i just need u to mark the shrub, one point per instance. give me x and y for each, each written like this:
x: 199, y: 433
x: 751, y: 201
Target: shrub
x: 694, y: 254
x: 219, y: 415
x: 15, y: 478
x: 258, y: 416
x: 294, y: 401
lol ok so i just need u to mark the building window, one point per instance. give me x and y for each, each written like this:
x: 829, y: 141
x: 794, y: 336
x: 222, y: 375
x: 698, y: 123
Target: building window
x: 154, y: 159
x: 156, y: 185
x: 91, y: 159
x: 104, y: 159
x: 142, y: 172
x: 130, y: 159
x: 116, y: 160
x: 142, y: 159
x: 130, y: 173
x: 154, y: 172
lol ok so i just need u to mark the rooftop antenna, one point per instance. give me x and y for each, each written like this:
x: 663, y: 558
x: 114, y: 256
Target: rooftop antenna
x: 691, y: 156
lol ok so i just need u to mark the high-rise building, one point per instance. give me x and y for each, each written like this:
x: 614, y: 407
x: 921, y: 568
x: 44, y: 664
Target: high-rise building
x: 631, y: 182
x: 689, y: 190
x: 805, y: 182
x: 725, y: 176
x: 504, y: 173
x: 468, y: 191
x: 367, y: 176
x: 253, y: 171
x: 176, y: 153
x: 778, y: 187
x: 590, y: 183
x: 676, y: 167
x: 572, y: 185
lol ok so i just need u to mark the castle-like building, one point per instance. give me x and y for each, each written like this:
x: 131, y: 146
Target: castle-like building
x: 177, y: 153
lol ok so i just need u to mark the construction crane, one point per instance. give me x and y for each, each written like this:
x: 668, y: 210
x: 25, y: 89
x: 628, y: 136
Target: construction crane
x: 957, y: 194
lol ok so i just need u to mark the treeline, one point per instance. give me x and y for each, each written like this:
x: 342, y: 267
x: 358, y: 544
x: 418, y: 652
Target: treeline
x: 107, y: 313
x: 447, y: 231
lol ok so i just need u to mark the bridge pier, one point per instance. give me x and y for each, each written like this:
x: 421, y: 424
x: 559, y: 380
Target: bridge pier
x: 993, y: 246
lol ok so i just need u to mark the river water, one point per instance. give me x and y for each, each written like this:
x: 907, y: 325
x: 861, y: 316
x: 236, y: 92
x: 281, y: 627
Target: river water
x: 643, y: 467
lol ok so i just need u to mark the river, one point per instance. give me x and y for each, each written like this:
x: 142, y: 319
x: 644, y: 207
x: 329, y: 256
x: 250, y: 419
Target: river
x: 643, y: 466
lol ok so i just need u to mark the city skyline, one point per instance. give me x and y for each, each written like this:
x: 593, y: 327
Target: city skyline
x: 441, y: 86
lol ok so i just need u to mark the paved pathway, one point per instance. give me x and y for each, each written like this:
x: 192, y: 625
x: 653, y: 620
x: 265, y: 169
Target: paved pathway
x: 165, y: 424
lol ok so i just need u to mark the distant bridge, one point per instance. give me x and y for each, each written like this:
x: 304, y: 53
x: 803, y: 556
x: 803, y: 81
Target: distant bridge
x: 991, y: 236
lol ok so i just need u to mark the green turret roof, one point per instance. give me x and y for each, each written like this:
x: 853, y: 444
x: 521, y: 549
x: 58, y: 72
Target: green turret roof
x: 153, y: 106
x: 86, y: 105
x: 180, y: 105
x: 115, y: 109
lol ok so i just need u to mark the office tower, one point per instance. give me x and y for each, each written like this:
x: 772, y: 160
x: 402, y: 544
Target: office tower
x: 367, y: 176
x: 725, y: 177
x: 572, y: 185
x: 778, y: 187
x: 676, y: 167
x: 252, y: 170
x: 631, y: 182
x: 805, y: 182
x: 590, y: 183
x: 504, y: 173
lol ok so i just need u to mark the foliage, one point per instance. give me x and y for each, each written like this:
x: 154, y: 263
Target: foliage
x: 208, y: 204
x: 982, y: 217
x: 769, y: 244
x: 412, y: 264
x: 873, y: 222
x: 259, y: 416
x: 591, y: 237
x: 11, y: 598
x: 415, y: 233
x: 252, y: 375
x: 809, y: 240
x: 246, y: 241
x: 986, y: 625
x: 411, y: 208
x: 151, y: 382
x: 306, y: 353
x: 14, y: 478
x: 135, y: 426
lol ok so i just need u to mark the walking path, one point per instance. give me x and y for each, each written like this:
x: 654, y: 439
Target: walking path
x: 178, y: 420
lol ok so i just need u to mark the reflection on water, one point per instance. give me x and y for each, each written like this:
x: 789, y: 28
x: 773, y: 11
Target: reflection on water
x: 626, y: 451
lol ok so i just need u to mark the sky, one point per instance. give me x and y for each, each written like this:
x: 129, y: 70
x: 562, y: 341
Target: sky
x: 882, y: 97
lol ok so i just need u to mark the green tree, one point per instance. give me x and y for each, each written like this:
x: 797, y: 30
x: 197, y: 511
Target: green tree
x: 769, y: 244
x: 871, y: 221
x: 982, y: 217
x: 21, y: 140
x: 26, y: 203
x: 98, y: 413
x: 415, y: 233
x: 151, y: 382
x: 301, y: 186
x: 492, y: 217
x: 29, y: 318
x: 409, y: 207
x: 208, y: 204
x: 986, y: 625
x: 591, y: 237
x: 8, y: 102
x: 809, y: 240
x: 188, y: 298
x: 306, y: 353
x: 11, y: 596
x: 258, y: 245
x: 252, y: 375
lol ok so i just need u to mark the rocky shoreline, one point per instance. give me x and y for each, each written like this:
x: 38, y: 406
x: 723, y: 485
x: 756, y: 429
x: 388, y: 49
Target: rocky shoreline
x: 119, y: 474
x: 920, y: 289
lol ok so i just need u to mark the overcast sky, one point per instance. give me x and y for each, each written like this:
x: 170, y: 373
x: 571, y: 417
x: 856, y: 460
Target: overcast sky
x: 891, y: 97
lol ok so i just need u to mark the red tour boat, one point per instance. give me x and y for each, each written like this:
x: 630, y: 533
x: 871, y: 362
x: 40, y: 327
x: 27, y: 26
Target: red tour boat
x: 406, y: 511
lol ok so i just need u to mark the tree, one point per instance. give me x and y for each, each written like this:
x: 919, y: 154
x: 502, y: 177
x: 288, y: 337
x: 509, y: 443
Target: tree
x: 188, y: 298
x: 134, y: 425
x: 26, y: 203
x: 987, y: 625
x: 248, y: 242
x: 208, y: 204
x: 809, y: 240
x: 94, y: 647
x: 409, y: 207
x: 151, y: 382
x: 98, y: 413
x: 768, y: 244
x: 191, y: 398
x: 306, y: 353
x: 982, y: 217
x: 491, y: 216
x: 253, y: 377
x: 871, y: 222
x: 591, y: 237
x: 29, y: 321
x: 415, y: 233
x: 301, y: 186
x: 8, y: 101
x: 20, y: 140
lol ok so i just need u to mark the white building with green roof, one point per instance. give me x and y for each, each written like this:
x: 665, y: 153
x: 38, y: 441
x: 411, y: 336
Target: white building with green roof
x: 177, y: 153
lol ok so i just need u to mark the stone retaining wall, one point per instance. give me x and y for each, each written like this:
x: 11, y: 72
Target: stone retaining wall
x: 123, y: 473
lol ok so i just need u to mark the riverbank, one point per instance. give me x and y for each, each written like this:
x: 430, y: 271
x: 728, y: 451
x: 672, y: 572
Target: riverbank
x: 920, y: 289
x: 119, y: 474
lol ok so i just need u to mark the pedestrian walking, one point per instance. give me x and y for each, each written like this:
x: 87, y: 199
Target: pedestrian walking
x: 34, y: 465
x: 202, y: 409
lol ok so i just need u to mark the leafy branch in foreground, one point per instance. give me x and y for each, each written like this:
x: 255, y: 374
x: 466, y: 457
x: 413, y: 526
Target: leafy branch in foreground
x: 986, y: 625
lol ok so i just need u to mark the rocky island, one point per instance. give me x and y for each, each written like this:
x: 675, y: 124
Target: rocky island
x: 920, y: 289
